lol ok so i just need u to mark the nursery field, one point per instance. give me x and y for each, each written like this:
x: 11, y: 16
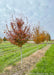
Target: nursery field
x: 10, y: 54
x: 46, y: 65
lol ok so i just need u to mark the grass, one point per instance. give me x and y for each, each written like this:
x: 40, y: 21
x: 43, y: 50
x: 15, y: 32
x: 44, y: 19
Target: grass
x: 10, y: 54
x: 46, y: 65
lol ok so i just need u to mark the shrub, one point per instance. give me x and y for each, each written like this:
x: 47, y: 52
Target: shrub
x: 1, y: 40
x: 4, y: 39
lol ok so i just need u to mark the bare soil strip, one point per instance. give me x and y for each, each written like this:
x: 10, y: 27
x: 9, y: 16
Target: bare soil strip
x: 28, y: 63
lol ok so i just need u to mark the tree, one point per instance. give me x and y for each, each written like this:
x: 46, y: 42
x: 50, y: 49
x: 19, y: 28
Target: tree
x: 19, y: 33
x: 40, y: 36
x: 48, y: 37
x: 4, y: 39
x: 36, y: 34
x: 1, y: 40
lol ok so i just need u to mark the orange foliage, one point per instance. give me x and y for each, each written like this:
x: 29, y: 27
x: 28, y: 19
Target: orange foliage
x: 40, y: 36
x: 36, y: 35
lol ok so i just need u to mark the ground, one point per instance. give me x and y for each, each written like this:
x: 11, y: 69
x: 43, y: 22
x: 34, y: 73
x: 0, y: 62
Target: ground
x: 28, y: 63
x: 46, y: 64
x: 37, y: 59
x: 10, y: 54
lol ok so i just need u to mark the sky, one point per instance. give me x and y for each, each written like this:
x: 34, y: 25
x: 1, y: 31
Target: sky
x: 36, y: 10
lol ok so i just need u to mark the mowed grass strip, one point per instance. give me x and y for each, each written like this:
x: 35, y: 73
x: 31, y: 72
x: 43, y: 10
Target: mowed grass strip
x: 46, y: 65
x: 12, y: 48
x: 11, y: 53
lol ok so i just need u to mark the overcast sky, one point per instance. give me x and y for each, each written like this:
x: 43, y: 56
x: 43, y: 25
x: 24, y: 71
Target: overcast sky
x: 35, y: 10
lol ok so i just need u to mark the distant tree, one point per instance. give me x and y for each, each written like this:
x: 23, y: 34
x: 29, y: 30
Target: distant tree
x: 4, y: 39
x: 19, y: 33
x: 40, y: 36
x: 36, y: 34
x: 48, y: 37
x: 1, y: 40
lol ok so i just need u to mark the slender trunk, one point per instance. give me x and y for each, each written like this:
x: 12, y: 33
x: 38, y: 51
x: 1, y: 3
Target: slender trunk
x: 21, y: 55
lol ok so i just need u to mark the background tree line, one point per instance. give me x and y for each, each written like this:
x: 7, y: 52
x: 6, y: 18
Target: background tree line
x: 40, y: 36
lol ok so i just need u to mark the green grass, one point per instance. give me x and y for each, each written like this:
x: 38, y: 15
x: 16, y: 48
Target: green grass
x: 46, y: 65
x: 10, y: 54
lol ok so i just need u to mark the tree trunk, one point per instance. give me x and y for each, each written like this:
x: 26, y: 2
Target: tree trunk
x: 21, y: 55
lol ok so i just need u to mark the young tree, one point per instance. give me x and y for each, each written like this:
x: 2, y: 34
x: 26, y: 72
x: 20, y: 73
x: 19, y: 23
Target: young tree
x: 42, y: 36
x: 48, y: 37
x: 36, y: 34
x: 19, y: 33
x: 1, y: 40
x: 4, y: 39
